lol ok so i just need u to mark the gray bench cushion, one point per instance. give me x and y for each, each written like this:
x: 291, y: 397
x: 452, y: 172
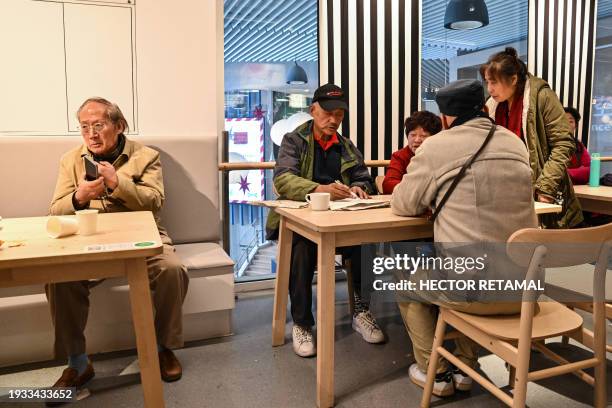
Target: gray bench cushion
x: 205, y: 259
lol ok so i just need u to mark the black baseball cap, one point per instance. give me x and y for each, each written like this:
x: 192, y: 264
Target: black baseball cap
x: 330, y: 97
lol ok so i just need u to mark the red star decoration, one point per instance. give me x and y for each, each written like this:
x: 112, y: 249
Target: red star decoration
x: 244, y: 184
x: 258, y: 112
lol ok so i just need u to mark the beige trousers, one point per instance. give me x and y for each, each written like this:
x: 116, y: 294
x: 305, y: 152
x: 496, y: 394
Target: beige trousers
x: 420, y: 319
x: 69, y: 303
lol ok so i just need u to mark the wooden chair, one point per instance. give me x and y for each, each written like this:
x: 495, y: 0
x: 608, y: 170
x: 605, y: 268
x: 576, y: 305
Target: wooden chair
x: 511, y: 337
x: 572, y: 288
x: 379, y: 184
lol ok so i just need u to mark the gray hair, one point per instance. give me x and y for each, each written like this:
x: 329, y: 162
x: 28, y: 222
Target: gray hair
x: 113, y: 113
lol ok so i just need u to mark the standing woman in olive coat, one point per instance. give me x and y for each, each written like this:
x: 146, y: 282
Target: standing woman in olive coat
x: 527, y: 106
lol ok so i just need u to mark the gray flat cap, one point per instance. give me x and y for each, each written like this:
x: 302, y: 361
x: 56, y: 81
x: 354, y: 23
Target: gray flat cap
x: 461, y: 97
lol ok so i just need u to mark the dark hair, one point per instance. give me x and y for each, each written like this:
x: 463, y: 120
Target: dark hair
x: 574, y: 112
x: 504, y: 65
x: 428, y: 121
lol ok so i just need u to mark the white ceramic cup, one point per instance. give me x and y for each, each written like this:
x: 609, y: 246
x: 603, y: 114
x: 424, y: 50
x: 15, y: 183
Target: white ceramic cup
x: 58, y: 227
x: 88, y: 221
x: 318, y: 201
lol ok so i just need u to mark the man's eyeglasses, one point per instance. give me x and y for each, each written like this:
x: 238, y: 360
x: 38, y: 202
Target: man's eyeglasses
x: 96, y: 127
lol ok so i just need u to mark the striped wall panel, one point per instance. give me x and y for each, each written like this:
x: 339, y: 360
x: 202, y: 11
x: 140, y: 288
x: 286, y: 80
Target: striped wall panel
x: 561, y: 47
x: 371, y: 48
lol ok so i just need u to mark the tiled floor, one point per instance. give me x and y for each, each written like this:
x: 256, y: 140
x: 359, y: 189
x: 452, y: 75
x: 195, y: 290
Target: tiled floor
x: 245, y: 371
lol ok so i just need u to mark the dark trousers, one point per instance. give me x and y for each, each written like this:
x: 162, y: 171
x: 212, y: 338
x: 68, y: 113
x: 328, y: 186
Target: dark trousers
x: 303, y: 265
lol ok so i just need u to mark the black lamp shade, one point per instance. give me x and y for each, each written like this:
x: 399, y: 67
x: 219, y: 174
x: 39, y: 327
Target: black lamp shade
x: 296, y: 75
x: 466, y: 14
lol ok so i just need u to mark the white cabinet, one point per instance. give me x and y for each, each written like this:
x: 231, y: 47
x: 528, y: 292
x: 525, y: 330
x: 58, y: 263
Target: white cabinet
x: 55, y: 54
x: 124, y: 2
x: 32, y: 71
x: 99, y: 57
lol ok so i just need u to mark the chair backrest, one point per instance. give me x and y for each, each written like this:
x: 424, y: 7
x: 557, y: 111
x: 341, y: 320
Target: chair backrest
x: 565, y: 247
x: 379, y: 184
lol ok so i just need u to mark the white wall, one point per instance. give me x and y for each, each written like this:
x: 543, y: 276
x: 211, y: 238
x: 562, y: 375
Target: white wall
x: 180, y: 67
x: 177, y: 58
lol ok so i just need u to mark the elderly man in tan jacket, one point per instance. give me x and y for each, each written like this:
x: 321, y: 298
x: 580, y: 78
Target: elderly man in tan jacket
x: 130, y: 179
x: 492, y: 200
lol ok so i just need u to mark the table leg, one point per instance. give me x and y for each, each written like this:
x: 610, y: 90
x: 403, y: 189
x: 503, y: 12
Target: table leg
x: 281, y: 289
x: 326, y: 282
x: 142, y: 314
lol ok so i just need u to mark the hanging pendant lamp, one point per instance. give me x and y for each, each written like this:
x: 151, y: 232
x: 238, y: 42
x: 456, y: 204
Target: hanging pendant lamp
x: 466, y: 14
x: 296, y: 75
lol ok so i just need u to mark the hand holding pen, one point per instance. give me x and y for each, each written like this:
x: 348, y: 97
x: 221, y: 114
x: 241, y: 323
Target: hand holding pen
x: 353, y: 195
x: 335, y: 190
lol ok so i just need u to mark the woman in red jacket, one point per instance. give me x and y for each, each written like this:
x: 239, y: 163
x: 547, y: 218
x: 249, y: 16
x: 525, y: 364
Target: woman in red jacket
x: 419, y: 126
x: 580, y: 165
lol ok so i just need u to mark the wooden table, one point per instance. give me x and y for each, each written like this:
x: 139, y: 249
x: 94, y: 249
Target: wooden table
x: 595, y: 199
x: 545, y: 208
x: 331, y: 229
x: 39, y: 259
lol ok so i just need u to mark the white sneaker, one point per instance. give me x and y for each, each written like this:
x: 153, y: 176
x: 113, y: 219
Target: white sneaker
x: 364, y: 324
x: 461, y: 380
x: 303, y: 342
x: 443, y: 385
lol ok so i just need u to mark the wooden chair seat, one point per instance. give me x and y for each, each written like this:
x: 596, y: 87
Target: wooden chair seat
x: 550, y: 319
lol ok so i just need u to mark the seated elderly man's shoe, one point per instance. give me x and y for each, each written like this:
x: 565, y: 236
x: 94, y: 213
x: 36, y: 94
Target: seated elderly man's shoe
x: 169, y: 366
x: 443, y: 384
x: 365, y: 324
x: 303, y: 341
x: 71, y: 379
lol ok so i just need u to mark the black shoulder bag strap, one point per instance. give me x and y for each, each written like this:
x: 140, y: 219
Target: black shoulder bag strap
x: 459, y: 176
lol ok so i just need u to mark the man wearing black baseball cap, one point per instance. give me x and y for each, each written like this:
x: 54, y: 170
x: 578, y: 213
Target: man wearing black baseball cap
x: 315, y: 158
x: 493, y: 198
x: 330, y: 97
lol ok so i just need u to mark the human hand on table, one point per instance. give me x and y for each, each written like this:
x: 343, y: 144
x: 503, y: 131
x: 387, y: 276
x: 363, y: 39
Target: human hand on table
x: 543, y: 198
x: 89, y: 190
x: 336, y: 191
x: 359, y: 192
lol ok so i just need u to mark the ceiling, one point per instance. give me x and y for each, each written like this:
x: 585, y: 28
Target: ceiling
x: 270, y: 30
x: 508, y: 23
x: 282, y: 31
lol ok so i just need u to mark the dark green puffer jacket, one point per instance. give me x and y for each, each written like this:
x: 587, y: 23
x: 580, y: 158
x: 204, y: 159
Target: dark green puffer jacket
x: 550, y: 144
x: 294, y: 170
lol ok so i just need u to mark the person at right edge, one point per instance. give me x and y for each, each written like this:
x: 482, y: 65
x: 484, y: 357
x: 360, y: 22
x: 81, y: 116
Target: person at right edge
x: 527, y: 106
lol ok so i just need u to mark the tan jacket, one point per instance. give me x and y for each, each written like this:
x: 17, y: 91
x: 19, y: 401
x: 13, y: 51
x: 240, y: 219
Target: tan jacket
x: 140, y: 188
x: 494, y: 198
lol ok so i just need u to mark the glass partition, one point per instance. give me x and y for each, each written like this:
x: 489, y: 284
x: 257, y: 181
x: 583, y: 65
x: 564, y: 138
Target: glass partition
x: 448, y: 55
x: 600, y: 140
x: 271, y: 71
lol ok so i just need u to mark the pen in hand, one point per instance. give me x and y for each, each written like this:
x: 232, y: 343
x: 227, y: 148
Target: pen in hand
x: 353, y: 195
